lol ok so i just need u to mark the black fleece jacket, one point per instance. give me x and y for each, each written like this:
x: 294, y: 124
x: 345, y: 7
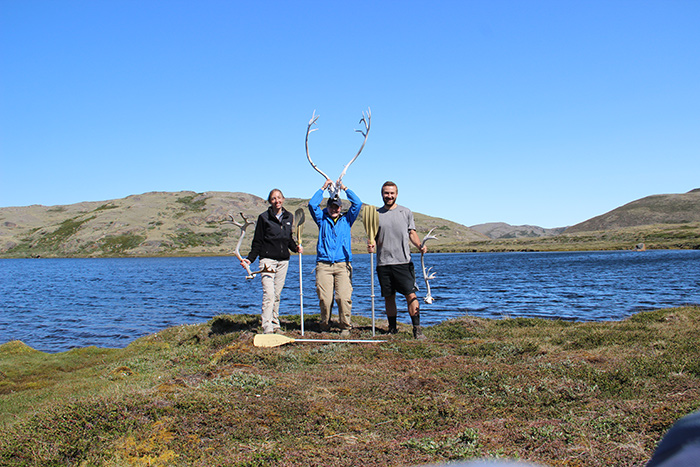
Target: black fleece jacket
x: 273, y: 238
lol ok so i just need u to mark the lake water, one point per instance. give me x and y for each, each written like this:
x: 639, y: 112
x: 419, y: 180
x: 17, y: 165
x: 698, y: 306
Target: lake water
x: 57, y: 304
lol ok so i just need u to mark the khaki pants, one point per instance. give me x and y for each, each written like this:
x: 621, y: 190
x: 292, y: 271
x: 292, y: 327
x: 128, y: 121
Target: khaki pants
x: 336, y: 278
x: 272, y: 285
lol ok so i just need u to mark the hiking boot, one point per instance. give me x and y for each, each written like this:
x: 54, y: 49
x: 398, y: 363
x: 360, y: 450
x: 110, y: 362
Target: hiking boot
x: 325, y: 327
x: 392, y: 330
x: 345, y: 333
x: 418, y: 333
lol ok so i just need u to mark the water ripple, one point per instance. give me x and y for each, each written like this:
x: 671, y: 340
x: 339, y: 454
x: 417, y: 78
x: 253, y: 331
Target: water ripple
x: 57, y: 304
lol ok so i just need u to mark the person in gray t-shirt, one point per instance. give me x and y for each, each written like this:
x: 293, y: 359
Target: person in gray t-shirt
x: 396, y: 233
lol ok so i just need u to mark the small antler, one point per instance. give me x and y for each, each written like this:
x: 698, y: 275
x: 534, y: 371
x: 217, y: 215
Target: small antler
x: 427, y: 275
x: 243, y: 226
x: 334, y: 188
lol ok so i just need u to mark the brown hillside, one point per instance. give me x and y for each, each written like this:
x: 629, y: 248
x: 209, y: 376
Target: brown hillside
x: 165, y: 224
x: 657, y: 209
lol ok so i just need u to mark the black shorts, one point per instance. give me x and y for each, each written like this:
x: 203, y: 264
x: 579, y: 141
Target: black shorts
x: 399, y: 278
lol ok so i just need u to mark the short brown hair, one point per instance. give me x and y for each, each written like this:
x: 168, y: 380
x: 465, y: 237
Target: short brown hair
x: 390, y: 183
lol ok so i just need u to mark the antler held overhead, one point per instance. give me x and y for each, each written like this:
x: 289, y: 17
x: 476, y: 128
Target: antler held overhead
x: 309, y: 130
x: 366, y: 120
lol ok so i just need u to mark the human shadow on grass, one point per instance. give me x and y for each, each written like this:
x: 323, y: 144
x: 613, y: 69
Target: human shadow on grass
x: 225, y: 324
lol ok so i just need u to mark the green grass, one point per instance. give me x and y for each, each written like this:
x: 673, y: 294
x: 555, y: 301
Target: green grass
x: 46, y: 243
x: 547, y: 391
x: 186, y: 238
x: 190, y: 203
x: 105, y: 207
x: 65, y: 229
x: 119, y: 244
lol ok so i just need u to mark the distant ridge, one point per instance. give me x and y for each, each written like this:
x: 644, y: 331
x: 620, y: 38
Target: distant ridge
x: 497, y: 230
x: 186, y: 223
x: 656, y: 209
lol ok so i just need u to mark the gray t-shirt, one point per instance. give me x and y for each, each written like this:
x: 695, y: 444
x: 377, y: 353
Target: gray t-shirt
x: 393, y: 244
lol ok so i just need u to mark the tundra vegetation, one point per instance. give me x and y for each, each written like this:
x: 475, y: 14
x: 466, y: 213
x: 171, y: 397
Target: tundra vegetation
x: 554, y: 392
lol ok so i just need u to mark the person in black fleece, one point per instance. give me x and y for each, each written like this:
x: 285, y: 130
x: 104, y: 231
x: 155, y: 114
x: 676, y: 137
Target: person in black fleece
x: 272, y: 242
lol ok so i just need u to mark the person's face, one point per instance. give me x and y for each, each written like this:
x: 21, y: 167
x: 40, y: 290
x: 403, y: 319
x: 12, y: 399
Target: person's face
x: 333, y: 211
x: 389, y: 194
x: 276, y: 200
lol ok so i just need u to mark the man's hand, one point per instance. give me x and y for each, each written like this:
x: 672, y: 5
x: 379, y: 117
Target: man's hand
x: 371, y: 247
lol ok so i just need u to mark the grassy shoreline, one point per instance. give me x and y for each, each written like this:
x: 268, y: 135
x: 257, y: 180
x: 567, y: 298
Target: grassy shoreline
x: 554, y: 392
x: 654, y: 237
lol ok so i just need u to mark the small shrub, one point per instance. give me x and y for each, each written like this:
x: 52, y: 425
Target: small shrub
x: 244, y: 381
x: 191, y: 204
x: 105, y: 207
x: 453, y: 330
x: 65, y: 230
x: 119, y: 244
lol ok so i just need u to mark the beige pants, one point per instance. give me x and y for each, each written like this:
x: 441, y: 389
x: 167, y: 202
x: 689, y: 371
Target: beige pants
x: 272, y: 285
x: 336, y: 278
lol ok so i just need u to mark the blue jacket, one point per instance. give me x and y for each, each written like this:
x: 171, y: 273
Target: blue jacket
x: 334, y: 239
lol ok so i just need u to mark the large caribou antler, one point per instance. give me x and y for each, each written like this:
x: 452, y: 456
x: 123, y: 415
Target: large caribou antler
x: 334, y: 188
x: 243, y: 226
x: 427, y: 275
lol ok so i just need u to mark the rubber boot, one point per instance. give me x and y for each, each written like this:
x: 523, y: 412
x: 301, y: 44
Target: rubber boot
x: 392, y: 324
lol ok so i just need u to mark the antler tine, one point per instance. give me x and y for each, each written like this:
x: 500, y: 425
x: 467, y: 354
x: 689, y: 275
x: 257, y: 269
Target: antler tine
x: 313, y: 120
x: 246, y: 221
x: 229, y: 220
x: 367, y: 120
x: 429, y: 236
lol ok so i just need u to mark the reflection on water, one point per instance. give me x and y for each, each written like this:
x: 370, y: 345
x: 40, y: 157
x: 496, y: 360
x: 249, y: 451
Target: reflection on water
x: 57, y: 304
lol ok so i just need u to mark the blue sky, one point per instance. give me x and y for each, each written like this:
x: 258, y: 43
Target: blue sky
x: 526, y: 112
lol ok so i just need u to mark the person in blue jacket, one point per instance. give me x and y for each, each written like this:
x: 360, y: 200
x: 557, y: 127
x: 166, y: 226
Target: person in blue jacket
x: 334, y: 255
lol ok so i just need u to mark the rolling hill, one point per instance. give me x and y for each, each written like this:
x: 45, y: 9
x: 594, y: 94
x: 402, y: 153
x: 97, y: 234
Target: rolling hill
x: 166, y: 224
x: 652, y: 210
x: 189, y: 224
x: 497, y: 230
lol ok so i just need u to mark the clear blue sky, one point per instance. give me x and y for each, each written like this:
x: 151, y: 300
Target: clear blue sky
x: 526, y: 112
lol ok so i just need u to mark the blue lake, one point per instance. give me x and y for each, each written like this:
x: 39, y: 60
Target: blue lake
x: 57, y: 304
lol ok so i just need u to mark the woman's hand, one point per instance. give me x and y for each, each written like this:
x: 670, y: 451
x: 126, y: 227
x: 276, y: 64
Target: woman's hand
x: 300, y: 249
x: 245, y: 263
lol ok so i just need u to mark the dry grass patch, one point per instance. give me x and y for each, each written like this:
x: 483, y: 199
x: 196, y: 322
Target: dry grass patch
x: 557, y: 393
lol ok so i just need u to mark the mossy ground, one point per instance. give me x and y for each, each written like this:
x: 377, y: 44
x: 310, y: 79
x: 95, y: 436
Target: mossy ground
x: 553, y: 392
